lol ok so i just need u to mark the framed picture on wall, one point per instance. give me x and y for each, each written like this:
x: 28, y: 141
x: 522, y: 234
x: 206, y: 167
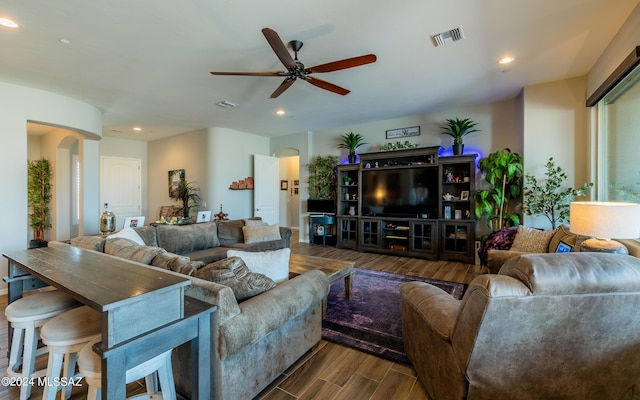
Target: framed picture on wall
x: 284, y: 185
x: 175, y: 177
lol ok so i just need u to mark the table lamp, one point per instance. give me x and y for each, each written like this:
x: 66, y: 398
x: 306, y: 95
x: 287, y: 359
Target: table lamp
x: 604, y: 220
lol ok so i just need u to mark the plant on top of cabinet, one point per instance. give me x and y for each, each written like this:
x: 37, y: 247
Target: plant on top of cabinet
x: 503, y: 170
x: 457, y: 129
x: 351, y: 141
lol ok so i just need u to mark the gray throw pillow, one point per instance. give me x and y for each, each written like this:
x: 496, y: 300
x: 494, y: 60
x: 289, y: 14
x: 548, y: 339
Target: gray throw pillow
x: 233, y: 272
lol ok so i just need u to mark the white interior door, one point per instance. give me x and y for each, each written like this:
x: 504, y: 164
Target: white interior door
x: 121, y: 187
x: 266, y: 172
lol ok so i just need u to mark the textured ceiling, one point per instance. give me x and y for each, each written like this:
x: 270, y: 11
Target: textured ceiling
x: 146, y: 62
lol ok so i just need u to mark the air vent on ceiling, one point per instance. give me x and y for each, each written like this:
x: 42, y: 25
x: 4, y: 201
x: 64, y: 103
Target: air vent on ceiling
x: 442, y: 38
x: 226, y: 104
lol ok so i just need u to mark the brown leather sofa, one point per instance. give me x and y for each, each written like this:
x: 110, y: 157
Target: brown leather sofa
x: 547, y: 326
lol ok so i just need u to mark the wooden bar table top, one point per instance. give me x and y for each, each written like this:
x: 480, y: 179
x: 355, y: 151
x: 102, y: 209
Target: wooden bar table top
x: 135, y: 301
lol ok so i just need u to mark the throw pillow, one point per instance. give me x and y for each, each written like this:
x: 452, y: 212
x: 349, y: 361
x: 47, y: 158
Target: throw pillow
x: 233, y: 272
x: 127, y: 233
x: 562, y: 234
x: 89, y: 242
x: 257, y: 234
x: 112, y: 246
x: 230, y: 231
x: 162, y: 260
x: 532, y: 240
x: 274, y: 263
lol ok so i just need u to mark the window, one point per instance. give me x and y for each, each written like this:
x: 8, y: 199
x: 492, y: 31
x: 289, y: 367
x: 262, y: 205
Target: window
x: 618, y: 157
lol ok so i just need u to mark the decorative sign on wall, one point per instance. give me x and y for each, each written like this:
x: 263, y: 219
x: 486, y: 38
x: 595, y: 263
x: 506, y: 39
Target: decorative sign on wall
x: 175, y: 177
x: 403, y: 132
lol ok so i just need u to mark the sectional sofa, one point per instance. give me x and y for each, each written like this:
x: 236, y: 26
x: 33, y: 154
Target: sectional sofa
x: 253, y: 341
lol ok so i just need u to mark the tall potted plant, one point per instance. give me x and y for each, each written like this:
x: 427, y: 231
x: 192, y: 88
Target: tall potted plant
x: 503, y: 171
x: 39, y: 194
x: 351, y: 141
x: 549, y: 199
x: 457, y: 129
x: 187, y: 195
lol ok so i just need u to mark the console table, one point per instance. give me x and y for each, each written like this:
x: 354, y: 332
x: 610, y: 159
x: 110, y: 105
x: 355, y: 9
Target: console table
x: 144, y: 309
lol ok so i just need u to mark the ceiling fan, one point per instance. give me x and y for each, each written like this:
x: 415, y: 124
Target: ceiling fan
x: 295, y: 69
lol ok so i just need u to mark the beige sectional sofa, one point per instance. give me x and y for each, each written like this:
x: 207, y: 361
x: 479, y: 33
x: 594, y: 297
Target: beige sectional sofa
x: 253, y: 341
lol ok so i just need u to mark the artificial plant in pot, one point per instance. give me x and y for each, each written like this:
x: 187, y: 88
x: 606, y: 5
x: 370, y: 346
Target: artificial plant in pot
x: 548, y: 198
x: 322, y: 177
x: 457, y: 129
x: 351, y: 141
x: 39, y: 194
x: 188, y: 197
x: 503, y: 171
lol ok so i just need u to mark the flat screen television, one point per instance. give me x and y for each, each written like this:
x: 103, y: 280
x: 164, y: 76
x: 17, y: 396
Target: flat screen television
x: 403, y: 192
x: 321, y: 206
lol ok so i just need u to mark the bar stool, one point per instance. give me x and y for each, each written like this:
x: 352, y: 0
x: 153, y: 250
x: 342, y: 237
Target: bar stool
x: 91, y: 367
x: 66, y: 334
x: 26, y: 316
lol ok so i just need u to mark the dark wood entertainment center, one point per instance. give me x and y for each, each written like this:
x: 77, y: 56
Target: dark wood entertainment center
x: 408, y: 202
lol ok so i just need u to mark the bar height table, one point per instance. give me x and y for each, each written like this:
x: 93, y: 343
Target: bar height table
x: 144, y: 309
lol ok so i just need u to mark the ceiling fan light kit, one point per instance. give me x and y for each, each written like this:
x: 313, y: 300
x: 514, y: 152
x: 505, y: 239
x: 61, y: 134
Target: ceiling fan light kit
x: 296, y: 69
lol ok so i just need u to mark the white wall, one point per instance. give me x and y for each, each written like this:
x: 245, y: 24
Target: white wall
x: 556, y: 125
x: 17, y: 106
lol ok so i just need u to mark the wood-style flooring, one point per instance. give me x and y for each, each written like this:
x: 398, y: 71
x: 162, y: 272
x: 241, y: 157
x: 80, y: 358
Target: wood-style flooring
x: 330, y: 371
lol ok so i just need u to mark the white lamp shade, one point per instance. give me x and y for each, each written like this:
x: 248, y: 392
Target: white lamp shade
x: 602, y: 219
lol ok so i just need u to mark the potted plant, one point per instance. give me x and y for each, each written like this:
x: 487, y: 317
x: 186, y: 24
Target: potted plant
x: 38, y: 198
x: 351, y: 141
x: 548, y: 199
x: 187, y: 195
x: 322, y: 177
x: 457, y: 129
x: 503, y: 171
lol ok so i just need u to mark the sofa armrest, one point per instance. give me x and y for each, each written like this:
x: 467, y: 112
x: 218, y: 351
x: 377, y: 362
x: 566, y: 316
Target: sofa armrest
x: 213, y: 293
x: 285, y: 233
x: 270, y: 310
x: 436, y: 308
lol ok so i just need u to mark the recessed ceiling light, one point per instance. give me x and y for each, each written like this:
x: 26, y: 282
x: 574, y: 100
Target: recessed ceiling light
x: 137, y: 129
x: 506, y: 60
x: 281, y: 112
x: 8, y: 23
x: 64, y: 41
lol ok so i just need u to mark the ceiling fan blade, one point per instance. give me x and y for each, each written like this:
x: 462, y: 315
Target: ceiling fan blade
x: 283, y: 86
x: 327, y: 86
x: 272, y: 73
x: 343, y: 64
x: 279, y: 48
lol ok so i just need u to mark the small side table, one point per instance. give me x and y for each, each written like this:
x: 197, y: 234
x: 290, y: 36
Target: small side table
x: 321, y: 226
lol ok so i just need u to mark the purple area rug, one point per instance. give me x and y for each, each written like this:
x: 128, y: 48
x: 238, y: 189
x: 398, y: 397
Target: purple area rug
x: 371, y: 320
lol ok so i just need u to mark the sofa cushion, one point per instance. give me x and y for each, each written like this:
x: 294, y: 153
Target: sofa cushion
x: 127, y: 233
x: 233, y: 272
x: 208, y: 256
x: 257, y: 234
x: 141, y: 254
x: 274, y: 263
x: 531, y: 240
x: 230, y: 231
x: 113, y: 245
x: 181, y: 239
x: 148, y: 234
x: 95, y: 243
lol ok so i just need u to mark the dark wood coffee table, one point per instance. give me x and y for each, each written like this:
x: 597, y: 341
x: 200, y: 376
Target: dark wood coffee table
x: 334, y: 269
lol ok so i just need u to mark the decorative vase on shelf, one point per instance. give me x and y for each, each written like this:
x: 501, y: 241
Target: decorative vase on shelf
x: 352, y: 210
x: 458, y: 149
x: 352, y: 158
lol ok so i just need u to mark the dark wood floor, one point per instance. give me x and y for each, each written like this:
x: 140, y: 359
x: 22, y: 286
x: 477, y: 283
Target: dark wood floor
x: 330, y: 371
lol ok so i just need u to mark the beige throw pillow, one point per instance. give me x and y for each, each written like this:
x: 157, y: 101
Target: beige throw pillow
x: 257, y: 234
x: 233, y: 272
x: 531, y: 240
